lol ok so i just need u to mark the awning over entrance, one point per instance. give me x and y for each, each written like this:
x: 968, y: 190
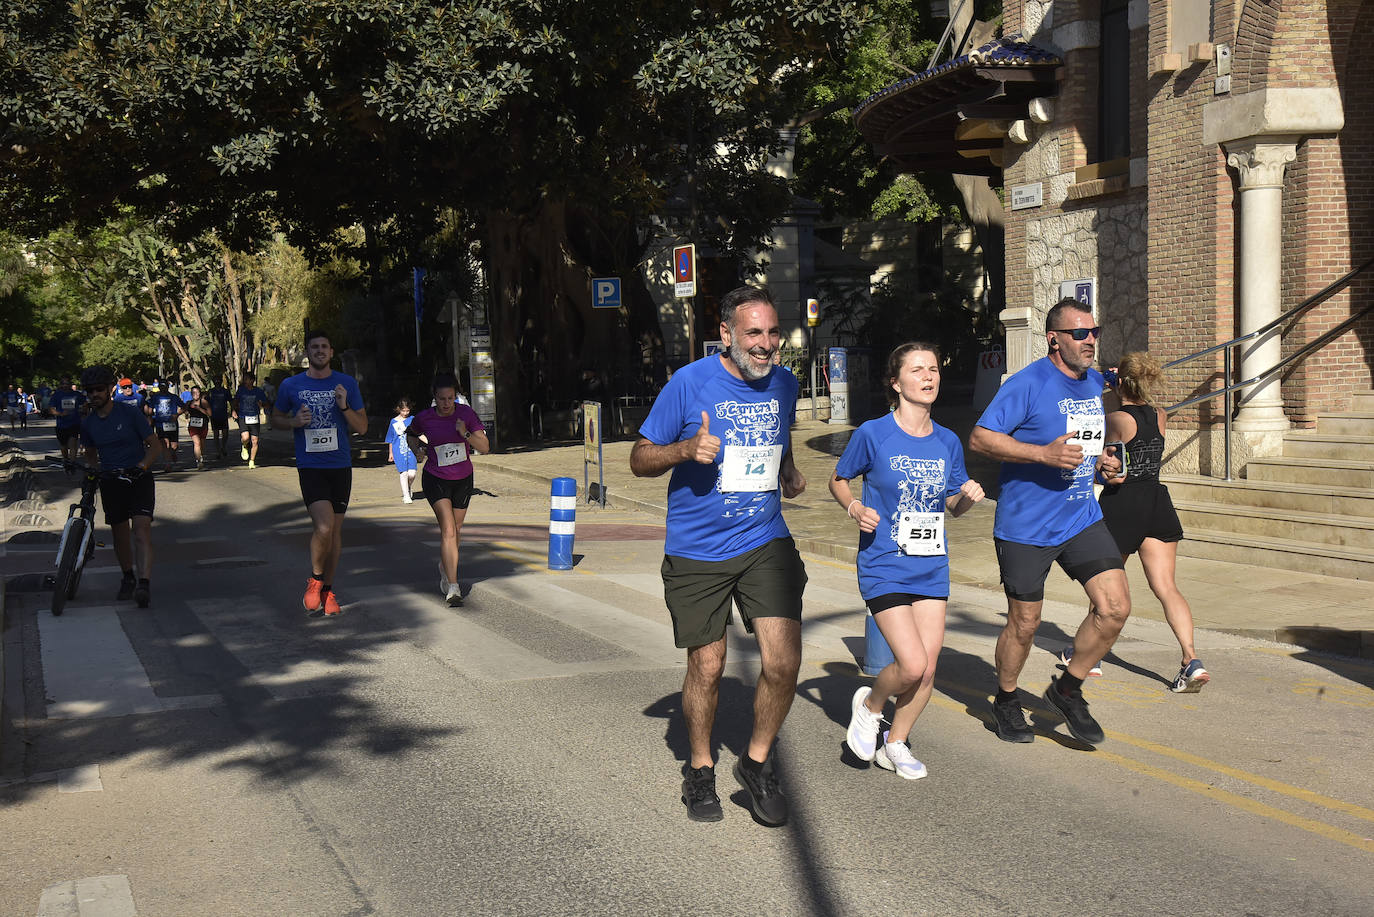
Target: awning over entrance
x: 955, y: 117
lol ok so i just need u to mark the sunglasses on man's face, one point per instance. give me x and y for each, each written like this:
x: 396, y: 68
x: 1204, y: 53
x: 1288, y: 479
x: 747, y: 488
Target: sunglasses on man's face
x: 1079, y: 334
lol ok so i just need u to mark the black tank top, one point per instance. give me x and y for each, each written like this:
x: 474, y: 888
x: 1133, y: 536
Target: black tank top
x: 1145, y: 451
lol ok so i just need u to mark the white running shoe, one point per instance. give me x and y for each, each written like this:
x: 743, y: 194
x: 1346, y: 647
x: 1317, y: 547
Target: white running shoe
x: 454, y: 596
x: 862, y: 735
x: 1067, y: 653
x: 443, y: 580
x: 896, y: 756
x: 407, y: 499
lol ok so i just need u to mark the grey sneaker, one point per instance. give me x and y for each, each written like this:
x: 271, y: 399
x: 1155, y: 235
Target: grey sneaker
x: 1190, y: 678
x: 765, y: 795
x: 699, y: 794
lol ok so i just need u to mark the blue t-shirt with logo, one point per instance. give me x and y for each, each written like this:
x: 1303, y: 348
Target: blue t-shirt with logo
x: 117, y: 438
x: 250, y: 402
x: 1040, y: 505
x: 68, y: 407
x: 134, y: 398
x: 733, y: 505
x: 219, y: 402
x: 164, y: 405
x: 902, y: 474
x: 324, y: 443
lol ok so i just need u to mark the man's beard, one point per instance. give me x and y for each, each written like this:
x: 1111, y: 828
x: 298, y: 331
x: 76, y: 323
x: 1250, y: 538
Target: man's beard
x: 740, y: 357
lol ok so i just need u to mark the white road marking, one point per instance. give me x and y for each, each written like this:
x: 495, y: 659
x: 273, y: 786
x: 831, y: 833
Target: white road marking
x: 91, y: 670
x: 83, y: 779
x: 95, y: 896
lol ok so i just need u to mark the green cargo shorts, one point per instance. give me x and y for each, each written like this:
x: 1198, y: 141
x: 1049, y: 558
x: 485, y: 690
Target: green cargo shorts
x: 766, y: 582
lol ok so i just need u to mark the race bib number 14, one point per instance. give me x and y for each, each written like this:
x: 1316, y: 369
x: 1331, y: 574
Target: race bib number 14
x: 750, y: 468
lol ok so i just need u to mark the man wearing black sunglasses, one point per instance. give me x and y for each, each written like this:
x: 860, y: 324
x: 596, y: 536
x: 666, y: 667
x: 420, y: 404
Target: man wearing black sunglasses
x: 1046, y: 426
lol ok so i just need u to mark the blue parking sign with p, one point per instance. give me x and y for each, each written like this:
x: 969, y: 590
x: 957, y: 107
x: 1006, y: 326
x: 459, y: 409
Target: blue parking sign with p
x: 606, y: 292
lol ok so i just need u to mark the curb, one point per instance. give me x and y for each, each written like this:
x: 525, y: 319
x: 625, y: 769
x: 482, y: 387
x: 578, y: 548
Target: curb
x: 1356, y: 643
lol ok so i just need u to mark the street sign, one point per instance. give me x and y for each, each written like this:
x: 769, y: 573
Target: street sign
x: 605, y: 292
x: 684, y: 270
x: 813, y: 312
x: 1083, y: 290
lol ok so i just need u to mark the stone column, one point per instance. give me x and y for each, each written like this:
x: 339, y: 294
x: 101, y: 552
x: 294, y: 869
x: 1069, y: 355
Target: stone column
x: 1260, y: 162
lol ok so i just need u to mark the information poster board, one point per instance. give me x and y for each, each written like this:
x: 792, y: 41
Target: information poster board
x: 482, y: 375
x: 592, y: 453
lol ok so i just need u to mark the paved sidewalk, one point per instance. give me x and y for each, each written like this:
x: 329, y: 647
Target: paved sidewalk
x: 1316, y: 612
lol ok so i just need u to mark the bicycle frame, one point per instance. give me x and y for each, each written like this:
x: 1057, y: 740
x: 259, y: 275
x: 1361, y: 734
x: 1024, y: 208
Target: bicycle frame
x: 87, y: 510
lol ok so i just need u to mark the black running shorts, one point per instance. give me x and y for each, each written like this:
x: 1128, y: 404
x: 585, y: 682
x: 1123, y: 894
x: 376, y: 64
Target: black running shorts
x: 1025, y: 566
x: 458, y: 493
x: 125, y: 499
x: 766, y: 582
x: 334, y: 485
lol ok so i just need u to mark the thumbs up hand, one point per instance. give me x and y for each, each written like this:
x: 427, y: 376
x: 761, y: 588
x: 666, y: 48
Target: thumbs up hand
x: 703, y: 447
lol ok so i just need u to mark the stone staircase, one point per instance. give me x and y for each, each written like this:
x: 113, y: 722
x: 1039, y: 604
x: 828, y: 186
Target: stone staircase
x: 1310, y: 509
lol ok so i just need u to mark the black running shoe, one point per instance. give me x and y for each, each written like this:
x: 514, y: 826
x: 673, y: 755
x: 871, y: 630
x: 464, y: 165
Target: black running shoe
x: 142, y: 595
x: 1074, y: 710
x: 1010, y: 721
x: 765, y: 795
x: 699, y: 793
x: 126, y: 589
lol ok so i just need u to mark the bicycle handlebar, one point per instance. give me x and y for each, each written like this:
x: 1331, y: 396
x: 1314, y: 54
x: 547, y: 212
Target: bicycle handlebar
x: 125, y: 474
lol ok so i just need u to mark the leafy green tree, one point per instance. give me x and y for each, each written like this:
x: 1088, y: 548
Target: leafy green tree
x: 559, y: 128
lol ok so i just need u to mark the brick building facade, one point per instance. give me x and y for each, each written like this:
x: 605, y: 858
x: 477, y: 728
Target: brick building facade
x: 1204, y: 163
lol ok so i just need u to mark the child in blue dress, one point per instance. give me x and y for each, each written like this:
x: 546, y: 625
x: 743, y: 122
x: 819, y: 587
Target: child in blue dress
x: 913, y: 472
x: 398, y: 448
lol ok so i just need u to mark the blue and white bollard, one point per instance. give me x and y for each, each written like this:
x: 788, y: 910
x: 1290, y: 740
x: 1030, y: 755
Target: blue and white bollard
x: 877, y: 654
x: 562, y: 520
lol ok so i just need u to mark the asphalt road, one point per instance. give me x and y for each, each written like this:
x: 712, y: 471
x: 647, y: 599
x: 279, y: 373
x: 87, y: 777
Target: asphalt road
x: 223, y: 754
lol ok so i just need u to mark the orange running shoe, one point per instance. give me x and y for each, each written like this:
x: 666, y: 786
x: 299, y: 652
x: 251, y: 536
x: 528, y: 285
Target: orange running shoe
x: 331, y: 604
x: 314, y: 594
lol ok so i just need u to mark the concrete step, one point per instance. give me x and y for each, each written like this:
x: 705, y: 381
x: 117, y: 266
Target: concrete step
x: 1317, y: 529
x: 1313, y: 444
x: 1257, y: 550
x: 1322, y: 499
x: 1327, y: 471
x: 1362, y: 402
x: 1346, y: 423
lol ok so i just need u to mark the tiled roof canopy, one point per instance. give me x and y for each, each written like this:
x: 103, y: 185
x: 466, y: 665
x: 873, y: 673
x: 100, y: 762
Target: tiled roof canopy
x: 954, y: 117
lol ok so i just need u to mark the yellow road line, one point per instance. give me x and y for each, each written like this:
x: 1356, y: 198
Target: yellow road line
x: 1340, y: 835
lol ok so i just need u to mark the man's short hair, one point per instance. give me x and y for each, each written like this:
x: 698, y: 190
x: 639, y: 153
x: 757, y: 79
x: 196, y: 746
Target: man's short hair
x: 317, y: 334
x: 1057, y: 311
x: 743, y: 296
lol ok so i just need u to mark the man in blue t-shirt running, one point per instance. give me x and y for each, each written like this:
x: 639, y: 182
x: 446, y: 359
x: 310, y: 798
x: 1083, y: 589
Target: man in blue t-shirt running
x: 218, y: 398
x: 323, y: 407
x: 66, y: 405
x: 722, y: 425
x: 1046, y: 426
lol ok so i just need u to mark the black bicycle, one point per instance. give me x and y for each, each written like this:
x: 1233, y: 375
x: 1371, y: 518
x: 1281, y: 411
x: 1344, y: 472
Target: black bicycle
x: 77, y: 544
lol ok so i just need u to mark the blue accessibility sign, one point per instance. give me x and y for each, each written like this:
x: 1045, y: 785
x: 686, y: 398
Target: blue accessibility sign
x: 606, y: 292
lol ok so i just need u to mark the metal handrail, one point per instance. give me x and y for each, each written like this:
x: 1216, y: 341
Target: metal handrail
x: 1293, y: 314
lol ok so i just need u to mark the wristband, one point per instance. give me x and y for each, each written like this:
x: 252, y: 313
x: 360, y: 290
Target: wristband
x: 850, y: 507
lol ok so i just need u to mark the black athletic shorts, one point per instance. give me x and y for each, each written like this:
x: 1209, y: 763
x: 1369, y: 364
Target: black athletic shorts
x: 124, y: 499
x: 219, y: 424
x: 458, y: 493
x: 332, y: 484
x: 1138, y: 510
x: 1025, y: 566
x: 893, y: 599
x: 67, y: 434
x: 171, y: 435
x: 766, y: 582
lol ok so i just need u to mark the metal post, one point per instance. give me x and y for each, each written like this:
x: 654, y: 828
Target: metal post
x: 811, y: 347
x: 1226, y: 401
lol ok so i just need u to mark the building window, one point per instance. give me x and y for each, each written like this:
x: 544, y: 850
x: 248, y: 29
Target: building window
x: 1114, y: 83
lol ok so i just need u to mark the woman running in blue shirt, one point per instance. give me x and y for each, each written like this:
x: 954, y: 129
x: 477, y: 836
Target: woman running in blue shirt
x: 913, y: 472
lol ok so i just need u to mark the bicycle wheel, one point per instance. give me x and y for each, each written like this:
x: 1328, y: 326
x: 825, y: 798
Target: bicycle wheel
x: 64, y: 585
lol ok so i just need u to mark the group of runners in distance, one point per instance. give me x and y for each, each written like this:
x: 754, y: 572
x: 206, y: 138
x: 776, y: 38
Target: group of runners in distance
x: 722, y: 425
x: 125, y: 434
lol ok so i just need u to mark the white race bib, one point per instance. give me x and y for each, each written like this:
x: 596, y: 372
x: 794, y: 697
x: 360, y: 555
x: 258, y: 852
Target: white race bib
x: 750, y: 468
x: 1091, y: 429
x: 321, y: 439
x: 921, y: 534
x: 195, y: 423
x: 450, y: 453
x: 253, y: 418
x: 167, y: 426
